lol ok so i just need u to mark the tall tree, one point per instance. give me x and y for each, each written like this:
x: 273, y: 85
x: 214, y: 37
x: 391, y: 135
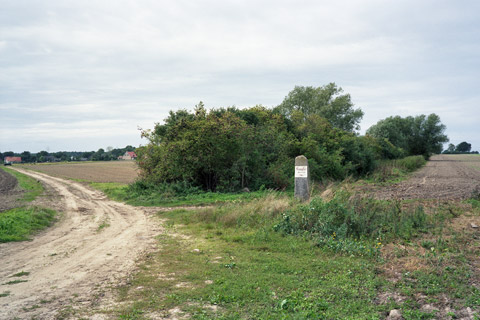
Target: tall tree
x: 463, y: 147
x: 328, y: 102
x: 420, y: 135
x: 451, y: 148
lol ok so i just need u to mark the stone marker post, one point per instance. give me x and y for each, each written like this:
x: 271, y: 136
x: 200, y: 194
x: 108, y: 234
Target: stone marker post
x: 302, y: 177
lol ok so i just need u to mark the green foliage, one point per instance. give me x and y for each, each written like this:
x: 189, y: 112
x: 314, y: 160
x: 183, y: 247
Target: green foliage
x: 337, y: 222
x: 327, y: 102
x: 216, y: 151
x: 462, y: 148
x: 420, y: 135
x: 230, y: 149
x: 18, y: 224
x: 144, y: 193
x: 252, y: 272
x: 392, y: 170
x: 411, y: 163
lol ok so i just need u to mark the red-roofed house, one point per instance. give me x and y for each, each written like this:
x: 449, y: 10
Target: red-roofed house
x: 129, y: 155
x: 11, y: 160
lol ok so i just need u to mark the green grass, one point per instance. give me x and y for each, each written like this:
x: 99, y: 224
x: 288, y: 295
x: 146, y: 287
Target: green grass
x: 121, y: 192
x: 20, y: 223
x: 20, y: 274
x: 32, y: 187
x: 394, y: 171
x: 230, y: 263
x: 252, y: 275
x: 237, y: 264
x: 15, y: 282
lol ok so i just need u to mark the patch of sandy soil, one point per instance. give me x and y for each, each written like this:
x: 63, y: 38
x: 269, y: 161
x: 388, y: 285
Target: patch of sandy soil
x: 445, y: 177
x: 72, y: 265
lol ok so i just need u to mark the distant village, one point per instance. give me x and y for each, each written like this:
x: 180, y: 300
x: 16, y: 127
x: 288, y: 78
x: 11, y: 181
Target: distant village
x: 111, y: 154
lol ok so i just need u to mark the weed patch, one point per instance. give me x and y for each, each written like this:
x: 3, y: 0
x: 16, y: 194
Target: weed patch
x: 15, y: 281
x: 142, y: 194
x: 20, y: 274
x: 392, y: 171
x: 32, y: 187
x: 19, y: 223
x: 247, y: 273
x: 352, y: 226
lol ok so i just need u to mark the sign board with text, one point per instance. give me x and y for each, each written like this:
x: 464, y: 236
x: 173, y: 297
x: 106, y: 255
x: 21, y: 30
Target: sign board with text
x: 301, y: 172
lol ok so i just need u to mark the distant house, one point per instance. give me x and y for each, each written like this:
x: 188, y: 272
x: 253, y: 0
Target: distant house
x: 11, y: 160
x: 129, y: 155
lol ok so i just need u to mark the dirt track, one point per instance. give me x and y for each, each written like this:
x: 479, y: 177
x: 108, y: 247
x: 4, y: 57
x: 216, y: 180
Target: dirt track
x: 445, y: 177
x: 92, y: 247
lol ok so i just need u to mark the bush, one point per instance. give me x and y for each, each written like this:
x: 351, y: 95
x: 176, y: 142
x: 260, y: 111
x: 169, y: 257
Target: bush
x: 345, y: 218
x: 411, y: 163
x: 165, y: 190
x: 389, y: 169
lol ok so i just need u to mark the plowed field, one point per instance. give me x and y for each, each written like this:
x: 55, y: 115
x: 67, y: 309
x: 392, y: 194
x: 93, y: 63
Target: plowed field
x: 109, y: 171
x: 9, y: 192
x: 445, y: 177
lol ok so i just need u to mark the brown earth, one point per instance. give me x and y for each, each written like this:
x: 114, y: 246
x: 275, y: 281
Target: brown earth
x: 97, y: 171
x: 93, y: 247
x: 9, y: 191
x: 445, y: 177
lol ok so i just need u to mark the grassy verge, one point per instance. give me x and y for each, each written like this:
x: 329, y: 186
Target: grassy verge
x: 393, y: 171
x: 161, y: 198
x: 20, y: 223
x: 231, y: 264
x: 32, y: 187
x: 273, y: 258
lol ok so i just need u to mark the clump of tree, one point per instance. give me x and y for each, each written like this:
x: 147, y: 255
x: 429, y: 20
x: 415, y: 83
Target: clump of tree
x: 420, y: 135
x: 328, y: 101
x: 228, y: 149
x: 462, y: 148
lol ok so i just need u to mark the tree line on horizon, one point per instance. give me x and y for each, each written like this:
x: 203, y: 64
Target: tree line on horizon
x: 45, y: 156
x: 461, y: 148
x: 228, y: 149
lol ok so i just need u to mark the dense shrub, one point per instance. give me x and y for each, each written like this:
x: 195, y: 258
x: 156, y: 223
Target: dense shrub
x: 229, y: 149
x: 411, y: 163
x: 356, y: 218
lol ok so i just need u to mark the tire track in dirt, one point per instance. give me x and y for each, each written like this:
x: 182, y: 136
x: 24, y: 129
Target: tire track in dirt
x: 93, y: 246
x: 444, y: 177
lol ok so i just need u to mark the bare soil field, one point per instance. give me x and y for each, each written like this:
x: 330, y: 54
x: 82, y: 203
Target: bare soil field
x: 72, y: 265
x: 98, y: 171
x: 445, y: 177
x: 9, y: 191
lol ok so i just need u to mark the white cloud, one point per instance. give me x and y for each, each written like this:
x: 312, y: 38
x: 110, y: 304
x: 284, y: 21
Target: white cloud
x: 64, y: 62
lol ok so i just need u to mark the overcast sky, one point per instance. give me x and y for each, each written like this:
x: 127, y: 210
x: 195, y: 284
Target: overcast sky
x: 83, y: 75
